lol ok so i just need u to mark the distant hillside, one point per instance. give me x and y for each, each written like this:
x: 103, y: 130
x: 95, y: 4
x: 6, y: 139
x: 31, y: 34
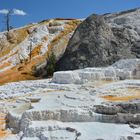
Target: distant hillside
x: 26, y: 50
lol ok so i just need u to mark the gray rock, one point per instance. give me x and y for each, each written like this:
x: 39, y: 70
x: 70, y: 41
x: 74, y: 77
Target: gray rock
x: 134, y: 126
x: 130, y: 107
x: 109, y: 110
x: 130, y: 138
x: 33, y: 99
x: 102, y: 40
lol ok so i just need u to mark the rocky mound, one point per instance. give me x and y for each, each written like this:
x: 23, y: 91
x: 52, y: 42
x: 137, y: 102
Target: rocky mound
x: 101, y: 40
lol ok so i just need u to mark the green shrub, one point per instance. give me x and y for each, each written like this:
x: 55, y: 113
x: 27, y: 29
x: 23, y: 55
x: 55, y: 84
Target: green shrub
x: 51, y: 65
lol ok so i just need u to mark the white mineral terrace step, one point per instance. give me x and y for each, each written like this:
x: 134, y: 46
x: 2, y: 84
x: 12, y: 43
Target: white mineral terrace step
x: 89, y: 130
x: 72, y: 106
x: 123, y: 69
x: 54, y: 111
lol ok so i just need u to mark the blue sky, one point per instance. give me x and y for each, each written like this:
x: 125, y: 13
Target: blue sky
x: 44, y: 9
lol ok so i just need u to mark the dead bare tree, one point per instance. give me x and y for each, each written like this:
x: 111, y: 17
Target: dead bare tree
x: 7, y: 19
x: 10, y: 12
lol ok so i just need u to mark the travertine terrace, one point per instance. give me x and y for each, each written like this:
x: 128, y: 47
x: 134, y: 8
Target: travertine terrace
x: 91, y: 104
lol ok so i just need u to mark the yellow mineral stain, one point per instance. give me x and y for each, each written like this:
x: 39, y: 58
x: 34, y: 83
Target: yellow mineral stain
x: 130, y: 94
